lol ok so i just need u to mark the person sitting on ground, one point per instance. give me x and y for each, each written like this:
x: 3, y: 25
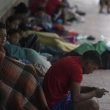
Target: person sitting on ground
x: 21, y: 12
x: 72, y: 12
x: 56, y: 9
x: 12, y: 22
x: 103, y: 3
x: 13, y: 36
x: 37, y: 3
x: 19, y: 83
x: 43, y: 19
x: 63, y: 82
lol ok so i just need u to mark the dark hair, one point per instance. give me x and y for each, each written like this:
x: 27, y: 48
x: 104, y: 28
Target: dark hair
x: 2, y: 25
x: 21, y: 8
x: 13, y: 31
x: 41, y: 9
x: 11, y: 19
x: 93, y: 55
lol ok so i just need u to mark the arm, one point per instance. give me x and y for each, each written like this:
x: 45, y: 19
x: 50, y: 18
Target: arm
x: 85, y: 89
x: 50, y: 24
x: 76, y: 96
x: 62, y: 4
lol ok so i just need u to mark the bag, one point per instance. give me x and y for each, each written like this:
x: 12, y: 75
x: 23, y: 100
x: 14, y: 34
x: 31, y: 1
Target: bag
x: 32, y: 41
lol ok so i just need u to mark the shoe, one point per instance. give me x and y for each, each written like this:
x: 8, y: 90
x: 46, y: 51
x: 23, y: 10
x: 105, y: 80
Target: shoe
x: 90, y: 38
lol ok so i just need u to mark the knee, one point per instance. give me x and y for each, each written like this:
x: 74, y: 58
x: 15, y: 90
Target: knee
x: 94, y: 105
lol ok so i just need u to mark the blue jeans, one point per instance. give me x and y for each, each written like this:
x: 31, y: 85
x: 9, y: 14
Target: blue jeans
x: 65, y: 104
x: 50, y: 50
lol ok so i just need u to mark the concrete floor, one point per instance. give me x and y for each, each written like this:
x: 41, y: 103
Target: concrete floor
x: 96, y: 24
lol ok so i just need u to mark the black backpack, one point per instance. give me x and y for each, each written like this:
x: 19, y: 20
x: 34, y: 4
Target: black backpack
x: 32, y: 41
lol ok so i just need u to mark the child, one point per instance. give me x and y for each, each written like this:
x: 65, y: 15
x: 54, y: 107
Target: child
x: 12, y: 22
x: 21, y: 11
x: 42, y: 19
x: 13, y: 36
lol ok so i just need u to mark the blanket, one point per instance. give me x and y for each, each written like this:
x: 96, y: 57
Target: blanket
x: 21, y: 53
x: 100, y: 47
x: 53, y: 40
x: 20, y: 84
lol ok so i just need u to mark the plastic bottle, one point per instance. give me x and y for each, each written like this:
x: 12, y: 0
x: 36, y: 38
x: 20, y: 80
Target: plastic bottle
x: 26, y: 61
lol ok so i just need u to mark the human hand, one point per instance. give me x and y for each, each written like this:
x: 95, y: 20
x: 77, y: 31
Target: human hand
x: 100, y: 92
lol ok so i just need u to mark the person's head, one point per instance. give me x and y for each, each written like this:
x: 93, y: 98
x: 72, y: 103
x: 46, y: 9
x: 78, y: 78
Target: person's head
x: 90, y: 61
x: 3, y: 34
x: 13, y: 36
x: 12, y: 22
x: 40, y: 12
x: 21, y: 11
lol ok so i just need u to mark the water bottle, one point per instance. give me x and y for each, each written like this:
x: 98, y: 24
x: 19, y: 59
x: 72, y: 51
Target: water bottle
x: 26, y: 61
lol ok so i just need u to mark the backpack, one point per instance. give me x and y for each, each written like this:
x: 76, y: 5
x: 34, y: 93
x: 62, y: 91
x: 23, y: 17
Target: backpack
x: 32, y: 41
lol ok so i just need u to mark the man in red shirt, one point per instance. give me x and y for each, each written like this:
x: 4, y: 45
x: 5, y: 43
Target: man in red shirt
x: 56, y: 9
x: 66, y: 75
x: 36, y: 4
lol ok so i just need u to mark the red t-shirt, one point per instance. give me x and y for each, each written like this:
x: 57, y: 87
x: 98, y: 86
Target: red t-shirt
x: 51, y: 6
x: 35, y: 5
x: 57, y: 80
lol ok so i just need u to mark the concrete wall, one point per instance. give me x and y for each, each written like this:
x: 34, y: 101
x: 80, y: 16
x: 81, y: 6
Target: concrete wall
x: 6, y: 7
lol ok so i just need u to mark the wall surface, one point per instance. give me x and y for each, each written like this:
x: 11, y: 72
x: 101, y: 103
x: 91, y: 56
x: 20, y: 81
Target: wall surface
x: 6, y: 7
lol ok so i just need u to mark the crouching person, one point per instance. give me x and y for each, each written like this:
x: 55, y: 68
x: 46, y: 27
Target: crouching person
x: 62, y: 83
